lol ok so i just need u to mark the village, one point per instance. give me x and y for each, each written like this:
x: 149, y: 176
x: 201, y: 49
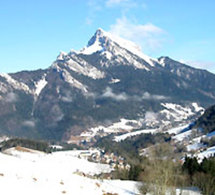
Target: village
x: 100, y: 156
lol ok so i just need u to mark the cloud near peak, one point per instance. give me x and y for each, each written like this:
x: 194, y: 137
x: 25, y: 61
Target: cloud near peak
x: 200, y: 64
x: 148, y: 36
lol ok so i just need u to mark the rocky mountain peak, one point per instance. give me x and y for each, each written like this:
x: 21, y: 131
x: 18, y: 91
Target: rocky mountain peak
x: 98, y: 36
x: 107, y: 42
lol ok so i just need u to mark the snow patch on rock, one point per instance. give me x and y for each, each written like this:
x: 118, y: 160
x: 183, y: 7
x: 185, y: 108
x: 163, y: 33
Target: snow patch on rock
x: 62, y: 55
x: 96, y: 47
x: 162, y: 61
x: 82, y: 67
x: 73, y: 82
x: 15, y: 84
x: 197, y: 107
x: 113, y: 81
x: 40, y: 85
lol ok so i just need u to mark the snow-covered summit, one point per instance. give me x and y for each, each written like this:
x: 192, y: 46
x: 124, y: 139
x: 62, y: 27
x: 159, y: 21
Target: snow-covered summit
x: 115, y: 49
x: 104, y: 41
x: 99, y: 42
x: 61, y: 55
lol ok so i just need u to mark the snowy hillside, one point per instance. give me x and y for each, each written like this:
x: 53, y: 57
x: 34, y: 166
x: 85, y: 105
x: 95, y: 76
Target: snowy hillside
x: 25, y: 172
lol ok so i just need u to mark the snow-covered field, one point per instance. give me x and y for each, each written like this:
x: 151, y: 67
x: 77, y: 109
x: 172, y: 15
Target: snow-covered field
x: 181, y: 136
x: 24, y: 171
x: 209, y: 152
x: 31, y: 172
x: 134, y: 133
x: 124, y: 125
x: 177, y: 130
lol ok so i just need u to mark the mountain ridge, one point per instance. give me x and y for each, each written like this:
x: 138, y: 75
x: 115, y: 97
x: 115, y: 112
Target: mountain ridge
x: 86, y: 88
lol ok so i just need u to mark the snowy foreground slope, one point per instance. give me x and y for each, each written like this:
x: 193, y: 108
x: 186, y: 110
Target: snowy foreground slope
x: 25, y: 172
x: 36, y: 173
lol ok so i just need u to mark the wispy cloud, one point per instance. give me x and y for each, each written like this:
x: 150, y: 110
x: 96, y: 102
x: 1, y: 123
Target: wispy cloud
x: 56, y: 113
x: 148, y: 36
x: 148, y: 96
x: 29, y: 123
x: 67, y: 97
x: 93, y: 6
x: 123, y: 3
x: 114, y: 2
x: 11, y: 97
x: 200, y: 64
x: 108, y: 93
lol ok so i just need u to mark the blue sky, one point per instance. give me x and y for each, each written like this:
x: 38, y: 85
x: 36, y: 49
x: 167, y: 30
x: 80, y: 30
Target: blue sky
x: 32, y: 33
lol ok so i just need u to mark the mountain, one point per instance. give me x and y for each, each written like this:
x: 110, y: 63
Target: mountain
x: 108, y: 81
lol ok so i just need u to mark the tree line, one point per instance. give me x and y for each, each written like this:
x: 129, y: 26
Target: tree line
x: 27, y: 143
